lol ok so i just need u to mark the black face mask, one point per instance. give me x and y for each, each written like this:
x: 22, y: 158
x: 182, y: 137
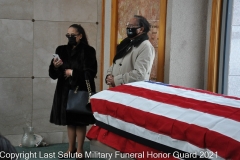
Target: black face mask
x: 132, y: 32
x: 72, y: 41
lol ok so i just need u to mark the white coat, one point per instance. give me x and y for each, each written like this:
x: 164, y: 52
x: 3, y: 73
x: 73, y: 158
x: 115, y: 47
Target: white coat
x: 135, y: 66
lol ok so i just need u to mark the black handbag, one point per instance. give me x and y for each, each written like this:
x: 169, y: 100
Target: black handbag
x: 79, y: 101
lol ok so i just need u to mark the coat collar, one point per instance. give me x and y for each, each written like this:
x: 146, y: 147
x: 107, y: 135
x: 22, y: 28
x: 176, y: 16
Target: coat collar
x: 127, y: 44
x: 76, y: 50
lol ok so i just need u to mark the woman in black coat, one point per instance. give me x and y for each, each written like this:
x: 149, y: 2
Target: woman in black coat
x: 76, y: 59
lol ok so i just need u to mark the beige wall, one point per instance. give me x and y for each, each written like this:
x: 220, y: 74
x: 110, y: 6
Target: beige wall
x: 186, y: 35
x: 234, y: 63
x: 26, y: 51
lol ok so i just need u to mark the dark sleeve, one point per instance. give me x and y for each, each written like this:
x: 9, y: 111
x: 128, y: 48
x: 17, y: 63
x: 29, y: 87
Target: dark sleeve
x: 55, y: 73
x: 89, y: 64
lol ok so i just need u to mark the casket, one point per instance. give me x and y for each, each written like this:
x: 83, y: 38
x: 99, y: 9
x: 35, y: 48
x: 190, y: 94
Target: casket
x: 151, y: 120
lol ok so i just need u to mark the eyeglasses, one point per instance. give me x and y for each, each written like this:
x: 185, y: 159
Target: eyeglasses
x: 132, y: 25
x: 71, y: 35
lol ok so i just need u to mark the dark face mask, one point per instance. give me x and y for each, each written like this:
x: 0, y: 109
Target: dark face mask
x: 72, y: 41
x: 132, y: 32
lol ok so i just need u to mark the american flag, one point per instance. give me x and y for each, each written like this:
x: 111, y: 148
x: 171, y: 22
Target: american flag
x: 162, y: 118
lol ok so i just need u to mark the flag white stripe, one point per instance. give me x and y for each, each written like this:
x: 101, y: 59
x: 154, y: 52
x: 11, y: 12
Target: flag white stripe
x: 215, y: 123
x: 149, y: 135
x: 188, y: 93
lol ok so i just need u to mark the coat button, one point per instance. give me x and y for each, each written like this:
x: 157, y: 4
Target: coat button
x: 120, y: 64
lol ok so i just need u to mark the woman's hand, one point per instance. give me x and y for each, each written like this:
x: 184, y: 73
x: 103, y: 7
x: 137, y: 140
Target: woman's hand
x: 57, y: 62
x: 110, y: 80
x: 68, y: 73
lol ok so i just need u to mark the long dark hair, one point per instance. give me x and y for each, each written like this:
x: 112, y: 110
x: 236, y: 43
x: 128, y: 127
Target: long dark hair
x: 81, y: 30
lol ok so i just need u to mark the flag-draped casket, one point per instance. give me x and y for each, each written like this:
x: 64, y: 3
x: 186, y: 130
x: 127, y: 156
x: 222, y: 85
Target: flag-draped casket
x: 159, y: 118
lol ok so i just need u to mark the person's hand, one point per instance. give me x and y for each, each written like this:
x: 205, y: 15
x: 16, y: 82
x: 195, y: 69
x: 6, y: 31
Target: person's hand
x: 68, y: 73
x: 57, y: 62
x: 110, y: 80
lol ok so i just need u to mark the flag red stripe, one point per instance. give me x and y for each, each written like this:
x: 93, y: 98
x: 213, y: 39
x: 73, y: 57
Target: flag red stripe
x: 175, y: 129
x: 206, y: 92
x: 191, y: 89
x: 202, y: 106
x: 122, y: 144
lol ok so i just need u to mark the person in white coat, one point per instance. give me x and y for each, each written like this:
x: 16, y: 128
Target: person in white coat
x: 135, y: 54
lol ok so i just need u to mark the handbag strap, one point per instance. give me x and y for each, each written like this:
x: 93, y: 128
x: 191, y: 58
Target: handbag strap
x: 85, y: 76
x: 89, y: 89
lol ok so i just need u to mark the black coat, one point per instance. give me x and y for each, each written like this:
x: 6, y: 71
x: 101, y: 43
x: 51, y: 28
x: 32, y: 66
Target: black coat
x: 82, y: 60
